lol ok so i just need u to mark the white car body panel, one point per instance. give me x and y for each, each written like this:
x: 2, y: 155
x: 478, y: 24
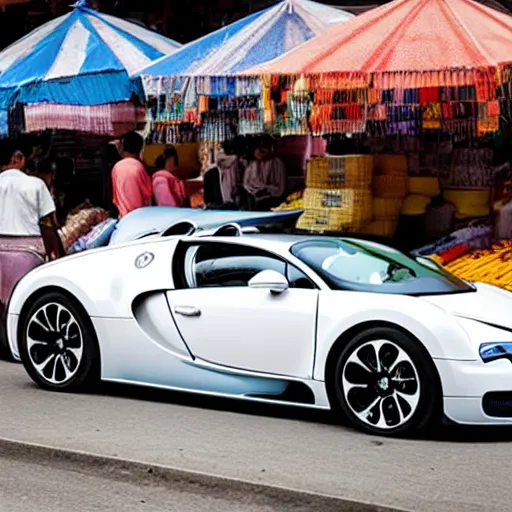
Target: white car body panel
x: 234, y: 329
x: 106, y: 280
x: 250, y: 344
x: 339, y: 311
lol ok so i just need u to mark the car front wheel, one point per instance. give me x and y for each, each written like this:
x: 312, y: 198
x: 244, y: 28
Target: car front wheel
x: 58, y: 346
x: 385, y: 384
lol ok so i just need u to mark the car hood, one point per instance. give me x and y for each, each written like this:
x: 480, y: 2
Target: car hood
x: 488, y: 304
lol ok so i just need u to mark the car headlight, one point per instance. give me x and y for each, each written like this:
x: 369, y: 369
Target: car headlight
x: 497, y: 350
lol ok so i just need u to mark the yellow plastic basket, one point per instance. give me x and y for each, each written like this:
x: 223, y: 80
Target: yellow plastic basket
x: 424, y: 186
x: 329, y: 219
x: 339, y: 172
x: 469, y: 203
x: 383, y: 228
x: 384, y: 209
x: 391, y: 165
x: 336, y: 210
x: 387, y: 187
x: 360, y: 202
x: 415, y: 204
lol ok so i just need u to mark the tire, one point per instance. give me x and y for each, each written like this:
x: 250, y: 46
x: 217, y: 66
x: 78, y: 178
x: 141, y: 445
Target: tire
x: 381, y: 402
x: 70, y: 349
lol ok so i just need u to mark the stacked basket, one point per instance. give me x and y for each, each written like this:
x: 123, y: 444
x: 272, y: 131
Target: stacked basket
x: 389, y: 191
x: 338, y: 195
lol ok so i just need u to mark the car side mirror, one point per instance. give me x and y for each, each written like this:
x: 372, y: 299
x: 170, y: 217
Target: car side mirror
x: 270, y: 280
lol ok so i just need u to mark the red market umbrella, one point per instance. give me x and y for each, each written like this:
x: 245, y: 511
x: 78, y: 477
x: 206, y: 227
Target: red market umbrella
x: 404, y: 36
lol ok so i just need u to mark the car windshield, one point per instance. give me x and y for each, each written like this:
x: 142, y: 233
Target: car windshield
x: 347, y: 264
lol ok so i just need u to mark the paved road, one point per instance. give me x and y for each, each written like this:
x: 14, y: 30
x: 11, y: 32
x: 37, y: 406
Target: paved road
x: 459, y: 470
x: 30, y: 487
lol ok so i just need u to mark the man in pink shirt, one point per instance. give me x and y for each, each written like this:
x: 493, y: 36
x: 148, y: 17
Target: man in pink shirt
x: 131, y: 183
x: 168, y: 189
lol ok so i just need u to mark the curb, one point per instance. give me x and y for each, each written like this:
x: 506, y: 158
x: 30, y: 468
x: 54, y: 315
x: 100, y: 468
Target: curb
x: 141, y: 473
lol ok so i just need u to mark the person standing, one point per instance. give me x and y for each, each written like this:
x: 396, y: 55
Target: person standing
x: 28, y: 230
x: 168, y: 188
x: 27, y: 209
x: 131, y: 184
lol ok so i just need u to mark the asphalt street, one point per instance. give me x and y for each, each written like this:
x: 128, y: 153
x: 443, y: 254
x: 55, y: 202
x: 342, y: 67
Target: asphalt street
x: 456, y: 470
x: 27, y: 487
x: 32, y: 488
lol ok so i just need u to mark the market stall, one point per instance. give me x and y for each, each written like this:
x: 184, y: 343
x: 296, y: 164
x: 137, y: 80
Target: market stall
x: 179, y: 100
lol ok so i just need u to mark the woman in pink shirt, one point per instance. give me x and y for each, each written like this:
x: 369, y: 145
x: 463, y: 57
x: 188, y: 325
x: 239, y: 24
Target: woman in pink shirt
x: 168, y: 189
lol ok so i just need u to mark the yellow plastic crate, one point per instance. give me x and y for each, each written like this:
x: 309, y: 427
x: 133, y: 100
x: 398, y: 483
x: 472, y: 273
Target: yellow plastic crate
x: 329, y: 219
x: 391, y: 165
x: 339, y: 172
x: 387, y: 209
x: 358, y: 202
x: 387, y: 187
x: 383, y: 228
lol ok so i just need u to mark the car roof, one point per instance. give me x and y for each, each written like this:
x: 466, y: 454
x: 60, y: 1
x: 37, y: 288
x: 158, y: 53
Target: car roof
x: 285, y: 241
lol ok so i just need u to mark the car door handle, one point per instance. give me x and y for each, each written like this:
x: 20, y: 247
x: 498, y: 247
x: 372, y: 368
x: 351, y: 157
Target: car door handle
x: 187, y: 311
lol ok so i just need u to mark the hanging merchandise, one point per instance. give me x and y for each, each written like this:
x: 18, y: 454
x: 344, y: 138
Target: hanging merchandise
x: 112, y: 119
x: 471, y: 168
x: 364, y: 76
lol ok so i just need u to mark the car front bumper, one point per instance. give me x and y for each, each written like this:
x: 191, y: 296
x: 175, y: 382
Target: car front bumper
x: 468, y: 384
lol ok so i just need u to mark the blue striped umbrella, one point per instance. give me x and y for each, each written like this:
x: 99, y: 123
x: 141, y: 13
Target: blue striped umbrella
x: 81, y: 58
x: 256, y: 39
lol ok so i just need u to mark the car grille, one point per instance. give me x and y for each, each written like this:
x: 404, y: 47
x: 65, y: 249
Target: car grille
x: 498, y: 404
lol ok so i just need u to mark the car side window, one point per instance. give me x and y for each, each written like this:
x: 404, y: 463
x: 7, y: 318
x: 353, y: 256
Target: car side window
x: 222, y: 265
x: 298, y: 279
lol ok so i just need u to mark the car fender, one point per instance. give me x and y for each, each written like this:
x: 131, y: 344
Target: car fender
x: 105, y: 281
x: 438, y: 331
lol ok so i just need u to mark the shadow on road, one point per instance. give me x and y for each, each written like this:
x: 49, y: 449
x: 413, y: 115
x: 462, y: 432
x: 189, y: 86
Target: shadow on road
x: 217, y: 403
x: 445, y: 433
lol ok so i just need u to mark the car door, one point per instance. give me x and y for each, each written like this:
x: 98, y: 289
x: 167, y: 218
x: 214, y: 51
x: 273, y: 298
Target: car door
x: 223, y: 321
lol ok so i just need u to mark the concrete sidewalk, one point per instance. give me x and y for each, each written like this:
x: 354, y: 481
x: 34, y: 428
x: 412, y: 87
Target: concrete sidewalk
x: 462, y: 470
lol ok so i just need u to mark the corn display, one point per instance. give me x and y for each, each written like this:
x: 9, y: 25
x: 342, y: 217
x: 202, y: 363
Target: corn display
x: 293, y: 202
x: 492, y: 266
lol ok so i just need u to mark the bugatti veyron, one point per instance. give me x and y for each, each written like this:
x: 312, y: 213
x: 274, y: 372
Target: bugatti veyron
x: 390, y: 342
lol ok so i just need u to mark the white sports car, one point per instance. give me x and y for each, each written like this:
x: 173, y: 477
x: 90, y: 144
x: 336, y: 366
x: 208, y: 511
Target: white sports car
x: 390, y: 342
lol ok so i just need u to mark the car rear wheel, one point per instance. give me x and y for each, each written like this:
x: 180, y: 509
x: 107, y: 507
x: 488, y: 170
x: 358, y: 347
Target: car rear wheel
x: 58, y: 345
x: 385, y: 384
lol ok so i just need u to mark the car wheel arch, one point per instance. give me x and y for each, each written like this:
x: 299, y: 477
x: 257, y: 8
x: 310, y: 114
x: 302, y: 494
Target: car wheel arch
x: 346, y: 336
x: 44, y: 291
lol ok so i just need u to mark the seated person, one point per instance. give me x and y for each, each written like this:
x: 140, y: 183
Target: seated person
x: 265, y: 178
x: 168, y: 188
x: 223, y: 183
